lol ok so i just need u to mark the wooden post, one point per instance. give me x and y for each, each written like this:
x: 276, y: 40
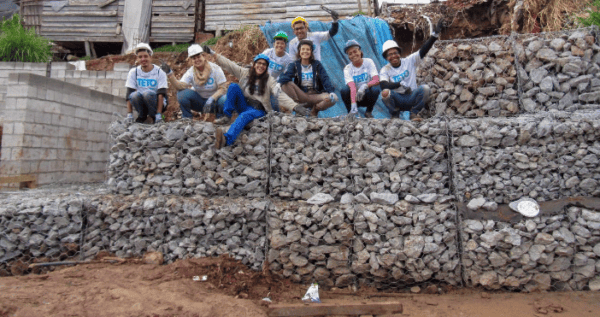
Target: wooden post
x: 370, y: 13
x: 88, y: 52
x: 359, y: 6
x: 94, y: 55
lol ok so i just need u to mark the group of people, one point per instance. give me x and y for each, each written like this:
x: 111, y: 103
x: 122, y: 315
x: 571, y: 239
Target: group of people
x: 293, y: 81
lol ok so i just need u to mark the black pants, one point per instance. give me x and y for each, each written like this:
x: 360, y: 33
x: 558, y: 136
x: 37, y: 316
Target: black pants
x: 368, y: 101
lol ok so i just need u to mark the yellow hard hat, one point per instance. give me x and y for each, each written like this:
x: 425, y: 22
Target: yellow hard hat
x: 298, y: 19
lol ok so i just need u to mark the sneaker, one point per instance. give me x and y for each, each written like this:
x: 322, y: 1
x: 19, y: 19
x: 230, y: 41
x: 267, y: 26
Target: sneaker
x: 368, y: 114
x: 222, y: 120
x: 141, y: 120
x: 220, y: 140
x: 301, y: 110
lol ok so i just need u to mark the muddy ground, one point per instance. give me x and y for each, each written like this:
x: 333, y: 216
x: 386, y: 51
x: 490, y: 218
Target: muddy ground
x: 134, y: 289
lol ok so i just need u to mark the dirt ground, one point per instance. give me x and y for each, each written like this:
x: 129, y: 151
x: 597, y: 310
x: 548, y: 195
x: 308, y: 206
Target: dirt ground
x: 135, y: 289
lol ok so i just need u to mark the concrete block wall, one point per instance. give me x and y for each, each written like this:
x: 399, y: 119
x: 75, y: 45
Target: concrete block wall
x: 110, y: 82
x: 16, y: 67
x: 56, y: 130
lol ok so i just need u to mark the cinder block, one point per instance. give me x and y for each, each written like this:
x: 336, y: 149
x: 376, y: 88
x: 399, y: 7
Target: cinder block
x: 13, y: 78
x: 50, y: 95
x: 124, y: 76
x: 5, y: 154
x: 12, y: 140
x: 7, y: 128
x: 41, y: 93
x: 86, y: 74
x: 21, y: 91
x: 123, y: 67
x: 35, y: 66
x: 101, y: 74
x: 7, y: 65
x: 47, y: 178
x: 19, y: 65
x: 15, y: 115
x: 82, y: 113
x: 74, y: 81
x: 13, y: 103
x: 18, y: 128
x: 70, y: 74
x: 10, y: 168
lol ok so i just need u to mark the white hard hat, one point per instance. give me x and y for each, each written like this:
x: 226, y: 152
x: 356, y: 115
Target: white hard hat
x: 390, y: 44
x: 194, y: 49
x: 143, y: 46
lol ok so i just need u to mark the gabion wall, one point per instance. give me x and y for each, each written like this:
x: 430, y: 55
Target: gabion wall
x: 550, y: 252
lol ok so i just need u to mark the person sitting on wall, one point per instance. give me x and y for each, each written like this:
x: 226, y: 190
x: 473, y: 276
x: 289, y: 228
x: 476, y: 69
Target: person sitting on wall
x: 278, y: 60
x: 146, y: 87
x: 306, y: 81
x: 400, y: 93
x: 251, y: 98
x: 361, y: 79
x: 301, y: 30
x: 207, y: 82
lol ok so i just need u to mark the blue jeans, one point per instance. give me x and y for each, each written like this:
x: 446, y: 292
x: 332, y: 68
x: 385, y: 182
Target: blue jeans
x: 191, y: 100
x: 397, y: 103
x: 368, y: 100
x: 144, y: 103
x: 236, y: 101
x: 275, y: 102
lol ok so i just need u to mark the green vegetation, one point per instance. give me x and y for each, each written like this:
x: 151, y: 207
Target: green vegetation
x: 170, y: 48
x: 358, y: 12
x: 85, y: 58
x: 20, y: 45
x: 594, y: 18
x: 212, y: 41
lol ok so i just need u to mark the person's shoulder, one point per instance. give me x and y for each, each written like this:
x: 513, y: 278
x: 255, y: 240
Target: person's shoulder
x: 267, y: 51
x: 386, y: 68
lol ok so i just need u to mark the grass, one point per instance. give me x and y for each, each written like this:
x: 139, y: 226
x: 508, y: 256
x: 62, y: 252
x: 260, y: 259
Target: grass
x: 170, y: 48
x: 85, y: 58
x: 18, y: 44
x: 594, y: 15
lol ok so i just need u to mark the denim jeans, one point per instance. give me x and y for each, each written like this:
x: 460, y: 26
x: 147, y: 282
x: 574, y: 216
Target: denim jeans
x: 275, y: 102
x: 144, y: 103
x: 413, y: 102
x: 191, y: 100
x: 236, y: 101
x: 368, y: 101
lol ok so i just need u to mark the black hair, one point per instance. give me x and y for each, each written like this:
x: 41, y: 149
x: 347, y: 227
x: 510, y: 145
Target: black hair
x: 262, y: 79
x: 396, y: 48
x: 312, y: 49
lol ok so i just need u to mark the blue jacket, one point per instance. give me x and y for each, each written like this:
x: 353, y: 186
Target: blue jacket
x: 321, y: 81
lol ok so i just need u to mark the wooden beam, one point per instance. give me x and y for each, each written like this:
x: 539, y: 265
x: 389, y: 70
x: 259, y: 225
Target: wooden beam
x: 102, y: 5
x: 81, y: 13
x: 29, y: 181
x: 313, y: 309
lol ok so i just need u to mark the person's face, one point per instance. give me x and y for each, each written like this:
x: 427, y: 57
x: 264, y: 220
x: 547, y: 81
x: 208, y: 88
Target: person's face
x: 279, y: 47
x: 305, y: 51
x: 300, y: 30
x: 260, y: 66
x: 144, y: 58
x: 393, y: 56
x: 354, y: 54
x: 198, y: 60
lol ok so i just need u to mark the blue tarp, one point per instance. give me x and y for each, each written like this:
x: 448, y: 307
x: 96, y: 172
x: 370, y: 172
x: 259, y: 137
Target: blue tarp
x: 370, y: 33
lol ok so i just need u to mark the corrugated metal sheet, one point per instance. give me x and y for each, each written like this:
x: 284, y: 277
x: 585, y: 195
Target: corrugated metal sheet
x: 82, y: 20
x: 173, y: 21
x: 232, y: 14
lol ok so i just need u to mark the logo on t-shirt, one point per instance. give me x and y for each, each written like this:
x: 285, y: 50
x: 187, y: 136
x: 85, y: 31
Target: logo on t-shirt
x: 210, y: 81
x: 275, y: 67
x: 401, y: 77
x: 307, y: 76
x: 361, y: 78
x: 143, y: 82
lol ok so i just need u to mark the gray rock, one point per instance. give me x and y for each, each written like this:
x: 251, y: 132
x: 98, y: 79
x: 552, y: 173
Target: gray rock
x: 411, y: 199
x: 427, y: 198
x: 362, y: 198
x: 320, y: 199
x: 383, y: 198
x: 476, y: 203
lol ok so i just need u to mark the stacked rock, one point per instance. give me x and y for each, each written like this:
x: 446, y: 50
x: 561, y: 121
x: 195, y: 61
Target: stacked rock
x: 38, y: 229
x: 545, y: 156
x: 549, y: 252
x: 311, y: 243
x: 178, y: 227
x: 399, y: 157
x: 406, y: 243
x: 180, y: 158
x: 306, y: 156
x: 472, y: 78
x: 559, y: 71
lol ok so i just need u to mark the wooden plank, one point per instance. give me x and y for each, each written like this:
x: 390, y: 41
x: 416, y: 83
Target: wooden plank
x: 180, y: 4
x: 173, y: 18
x: 80, y: 25
x: 106, y: 3
x: 378, y: 308
x: 81, y: 13
x: 62, y: 37
x: 172, y: 9
x: 171, y: 31
x: 24, y: 181
x: 87, y: 7
x: 171, y: 25
x: 72, y: 30
x: 79, y: 19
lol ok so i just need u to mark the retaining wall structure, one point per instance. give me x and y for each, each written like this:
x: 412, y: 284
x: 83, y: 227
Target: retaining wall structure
x: 56, y: 130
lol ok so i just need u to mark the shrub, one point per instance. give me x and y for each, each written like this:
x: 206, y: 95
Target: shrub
x: 594, y: 18
x: 173, y: 48
x: 18, y: 44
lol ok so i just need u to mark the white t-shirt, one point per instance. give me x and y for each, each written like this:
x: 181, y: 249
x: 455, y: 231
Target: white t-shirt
x: 307, y: 76
x: 362, y: 74
x: 406, y: 73
x: 217, y: 77
x: 316, y: 38
x: 277, y: 65
x: 141, y: 81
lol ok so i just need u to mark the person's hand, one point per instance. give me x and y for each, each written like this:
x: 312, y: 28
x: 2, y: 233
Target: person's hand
x: 438, y: 28
x: 277, y: 89
x: 405, y: 90
x: 354, y: 108
x: 335, y: 16
x: 165, y: 67
x: 208, y: 105
x: 129, y: 118
x: 158, y: 118
x: 333, y: 97
x: 207, y: 50
x: 361, y: 92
